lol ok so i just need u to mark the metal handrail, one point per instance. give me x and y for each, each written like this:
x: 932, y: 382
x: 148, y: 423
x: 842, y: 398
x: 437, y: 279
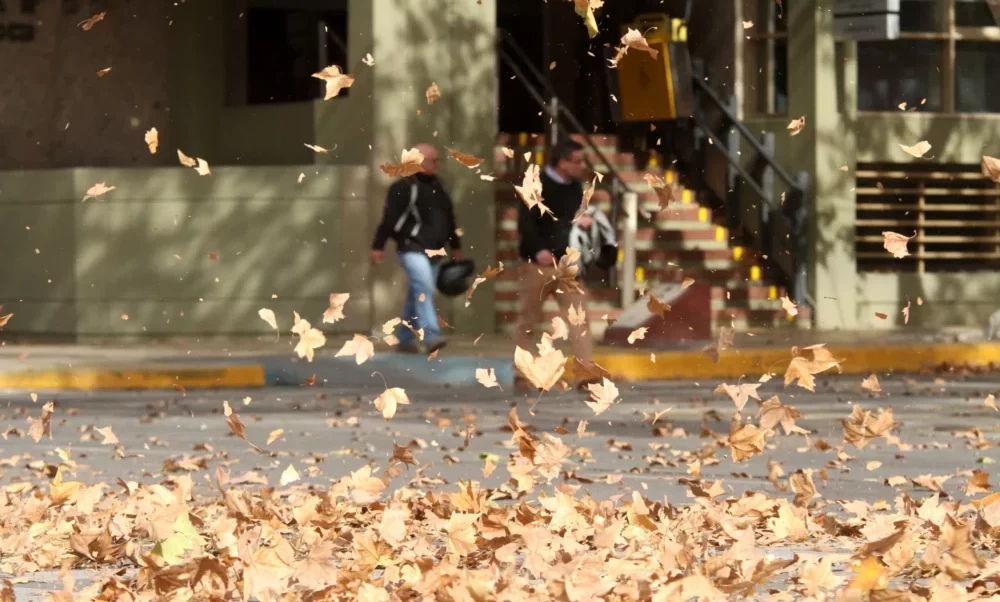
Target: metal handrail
x: 745, y: 133
x: 561, y: 110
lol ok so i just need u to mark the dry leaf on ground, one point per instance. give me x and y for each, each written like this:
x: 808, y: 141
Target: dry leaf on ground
x: 803, y: 486
x: 895, y: 244
x: 152, y: 139
x: 42, y: 425
x: 411, y: 162
x: 991, y: 402
x: 542, y: 372
x: 336, y: 80
x: 360, y: 347
x: 918, y: 150
x: 389, y: 400
x: 108, y: 436
x: 433, y: 93
x: 979, y: 483
x: 470, y: 161
x: 740, y: 394
x: 288, y: 476
x: 336, y: 310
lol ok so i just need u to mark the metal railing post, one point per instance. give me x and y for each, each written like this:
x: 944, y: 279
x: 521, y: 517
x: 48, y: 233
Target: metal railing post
x: 554, y: 115
x: 630, y: 201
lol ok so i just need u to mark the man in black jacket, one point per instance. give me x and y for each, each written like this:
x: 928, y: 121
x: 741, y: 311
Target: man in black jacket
x: 419, y: 216
x: 544, y: 239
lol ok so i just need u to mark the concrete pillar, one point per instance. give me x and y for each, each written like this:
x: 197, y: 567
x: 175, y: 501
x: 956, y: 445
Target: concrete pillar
x: 451, y: 43
x: 827, y: 143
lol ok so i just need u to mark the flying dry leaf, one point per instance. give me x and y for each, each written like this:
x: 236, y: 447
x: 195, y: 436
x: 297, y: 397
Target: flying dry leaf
x: 360, y: 347
x: 657, y: 307
x: 577, y: 316
x: 389, y: 400
x: 97, y: 190
x: 744, y: 440
x: 789, y: 306
x: 979, y: 483
x: 740, y: 394
x: 274, y: 435
x: 585, y: 9
x: 666, y: 193
x: 202, y: 168
x: 470, y: 161
x: 152, y: 139
x: 588, y: 193
x: 918, y: 150
x: 185, y: 160
x: 530, y: 190
x: 797, y: 125
x: 906, y: 313
x: 5, y: 319
x: 567, y: 274
x: 336, y: 310
x: 895, y: 244
x: 991, y: 402
x: 638, y: 333
x: 559, y: 329
x: 507, y: 152
x: 433, y: 93
x: 487, y: 377
x: 317, y: 149
x: 633, y: 39
x: 236, y: 425
x: 368, y: 60
x: 108, y: 435
x: 603, y: 396
x: 268, y: 316
x: 808, y: 362
x: 89, y: 23
x: 489, y: 273
x: 871, y: 384
x: 542, y: 372
x: 310, y: 339
x: 747, y: 24
x: 436, y: 252
x: 687, y: 282
x: 336, y: 80
x: 43, y: 425
x: 723, y: 341
x: 991, y: 168
x: 410, y: 163
x: 288, y: 476
x: 773, y: 413
x: 104, y: 72
x: 862, y: 426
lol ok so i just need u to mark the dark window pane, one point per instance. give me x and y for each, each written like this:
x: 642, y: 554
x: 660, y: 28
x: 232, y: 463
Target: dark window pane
x: 977, y: 88
x: 973, y: 13
x: 286, y: 46
x: 921, y: 15
x: 767, y: 77
x: 898, y: 71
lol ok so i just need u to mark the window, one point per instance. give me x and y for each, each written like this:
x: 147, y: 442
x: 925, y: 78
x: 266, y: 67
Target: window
x: 286, y: 44
x: 766, y: 58
x: 943, y: 55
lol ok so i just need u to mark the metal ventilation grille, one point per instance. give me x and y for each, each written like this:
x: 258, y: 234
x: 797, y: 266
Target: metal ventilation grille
x: 951, y: 211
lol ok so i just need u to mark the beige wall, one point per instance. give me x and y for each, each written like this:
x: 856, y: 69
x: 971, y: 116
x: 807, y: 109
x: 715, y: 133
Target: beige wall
x: 144, y: 249
x: 56, y: 112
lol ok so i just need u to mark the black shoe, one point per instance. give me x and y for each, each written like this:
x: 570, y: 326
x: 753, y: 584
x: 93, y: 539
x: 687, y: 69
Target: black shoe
x: 436, y: 346
x: 409, y: 348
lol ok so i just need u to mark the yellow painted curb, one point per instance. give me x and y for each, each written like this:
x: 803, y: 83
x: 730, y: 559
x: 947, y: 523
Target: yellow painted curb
x: 669, y: 365
x: 103, y: 379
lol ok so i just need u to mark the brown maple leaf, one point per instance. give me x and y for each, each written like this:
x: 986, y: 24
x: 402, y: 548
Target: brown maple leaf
x: 336, y: 80
x: 745, y: 440
x: 657, y: 307
x: 336, y: 310
x: 489, y: 273
x: 236, y: 425
x: 773, y: 413
x: 542, y: 372
x: 808, y: 362
x: 411, y: 162
x: 43, y: 425
x: 803, y: 486
x: 740, y: 394
x: 991, y: 168
x: 896, y: 244
x: 470, y: 161
x: 861, y: 427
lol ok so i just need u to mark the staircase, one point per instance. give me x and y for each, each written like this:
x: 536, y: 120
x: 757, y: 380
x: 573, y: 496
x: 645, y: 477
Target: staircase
x: 685, y: 240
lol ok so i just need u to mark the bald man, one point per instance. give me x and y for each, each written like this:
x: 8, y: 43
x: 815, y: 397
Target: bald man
x: 419, y: 216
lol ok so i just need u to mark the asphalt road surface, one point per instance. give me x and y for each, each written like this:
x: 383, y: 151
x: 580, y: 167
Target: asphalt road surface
x: 945, y: 430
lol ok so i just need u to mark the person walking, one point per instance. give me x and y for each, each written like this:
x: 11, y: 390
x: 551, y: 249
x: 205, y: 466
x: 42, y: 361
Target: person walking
x: 544, y: 239
x: 420, y: 217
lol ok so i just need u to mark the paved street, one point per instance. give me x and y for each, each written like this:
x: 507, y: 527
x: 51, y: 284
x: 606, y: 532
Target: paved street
x: 329, y: 432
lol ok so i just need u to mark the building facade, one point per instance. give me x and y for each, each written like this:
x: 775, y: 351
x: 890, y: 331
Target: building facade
x: 229, y: 81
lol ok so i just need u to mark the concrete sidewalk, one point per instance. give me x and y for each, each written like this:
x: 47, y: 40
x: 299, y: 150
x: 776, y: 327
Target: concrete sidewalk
x: 254, y: 363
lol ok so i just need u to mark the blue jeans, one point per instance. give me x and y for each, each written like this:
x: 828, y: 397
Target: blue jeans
x: 422, y: 275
